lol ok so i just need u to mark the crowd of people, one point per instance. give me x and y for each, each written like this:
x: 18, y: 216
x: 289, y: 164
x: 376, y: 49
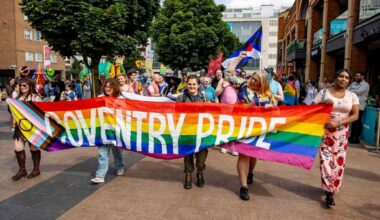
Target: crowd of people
x: 230, y: 87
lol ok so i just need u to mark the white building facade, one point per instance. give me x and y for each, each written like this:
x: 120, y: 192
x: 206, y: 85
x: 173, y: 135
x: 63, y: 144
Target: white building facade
x: 244, y: 22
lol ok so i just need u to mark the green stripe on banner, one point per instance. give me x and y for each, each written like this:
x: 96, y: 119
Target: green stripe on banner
x: 295, y: 138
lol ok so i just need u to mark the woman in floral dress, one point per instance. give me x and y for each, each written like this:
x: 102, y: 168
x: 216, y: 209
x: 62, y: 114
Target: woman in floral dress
x: 334, y: 143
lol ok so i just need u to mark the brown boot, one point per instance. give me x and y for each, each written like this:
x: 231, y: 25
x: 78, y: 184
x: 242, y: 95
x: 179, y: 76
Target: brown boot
x: 36, y: 156
x: 188, y: 181
x: 21, y: 163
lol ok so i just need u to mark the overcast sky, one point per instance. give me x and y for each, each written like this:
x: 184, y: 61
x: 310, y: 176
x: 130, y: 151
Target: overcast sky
x: 254, y: 3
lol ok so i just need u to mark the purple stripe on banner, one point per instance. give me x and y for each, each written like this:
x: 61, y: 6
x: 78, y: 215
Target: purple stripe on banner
x: 263, y: 154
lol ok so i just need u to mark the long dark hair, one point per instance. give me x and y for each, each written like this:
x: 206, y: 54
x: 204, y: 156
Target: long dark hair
x: 32, y: 88
x: 114, y: 85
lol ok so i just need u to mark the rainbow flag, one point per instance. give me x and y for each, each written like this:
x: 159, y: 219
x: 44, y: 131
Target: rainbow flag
x: 289, y: 134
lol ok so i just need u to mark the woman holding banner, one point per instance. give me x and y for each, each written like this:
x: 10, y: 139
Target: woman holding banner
x: 333, y: 147
x: 111, y: 89
x: 257, y: 92
x: 26, y: 93
x: 191, y: 94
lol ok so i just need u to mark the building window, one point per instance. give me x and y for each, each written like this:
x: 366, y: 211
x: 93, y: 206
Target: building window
x: 38, y: 36
x: 271, y: 56
x: 272, y: 45
x: 25, y: 18
x: 273, y: 23
x: 28, y: 35
x: 28, y: 56
x: 38, y: 57
x: 272, y: 34
x: 53, y: 58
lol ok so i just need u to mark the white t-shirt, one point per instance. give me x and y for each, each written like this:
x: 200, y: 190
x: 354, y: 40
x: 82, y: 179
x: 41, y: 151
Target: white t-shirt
x: 341, y: 106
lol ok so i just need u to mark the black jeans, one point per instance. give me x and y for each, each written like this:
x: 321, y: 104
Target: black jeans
x: 357, y: 127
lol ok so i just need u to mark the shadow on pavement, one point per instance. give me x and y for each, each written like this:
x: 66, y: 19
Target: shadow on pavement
x: 363, y: 174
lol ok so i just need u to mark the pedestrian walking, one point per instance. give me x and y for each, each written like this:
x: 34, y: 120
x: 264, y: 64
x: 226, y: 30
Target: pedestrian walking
x: 27, y: 93
x: 333, y: 146
x: 111, y: 89
x: 257, y: 92
x: 191, y: 94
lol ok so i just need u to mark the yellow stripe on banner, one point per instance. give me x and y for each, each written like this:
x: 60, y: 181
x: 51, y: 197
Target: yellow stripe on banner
x: 304, y: 128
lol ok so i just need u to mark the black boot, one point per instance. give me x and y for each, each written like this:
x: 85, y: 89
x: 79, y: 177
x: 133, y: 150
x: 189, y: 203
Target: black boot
x: 244, y: 193
x: 329, y: 199
x: 36, y: 156
x: 188, y: 181
x: 21, y: 163
x: 250, y: 178
x: 200, y: 179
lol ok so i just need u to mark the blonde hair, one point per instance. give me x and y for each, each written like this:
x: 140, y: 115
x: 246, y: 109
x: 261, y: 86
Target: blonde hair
x: 264, y: 82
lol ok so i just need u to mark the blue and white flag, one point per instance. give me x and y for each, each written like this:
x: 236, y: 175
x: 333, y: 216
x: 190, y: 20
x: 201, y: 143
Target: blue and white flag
x: 252, y: 47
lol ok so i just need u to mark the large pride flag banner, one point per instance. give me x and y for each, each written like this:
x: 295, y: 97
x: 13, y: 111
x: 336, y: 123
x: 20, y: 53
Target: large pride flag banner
x: 289, y: 134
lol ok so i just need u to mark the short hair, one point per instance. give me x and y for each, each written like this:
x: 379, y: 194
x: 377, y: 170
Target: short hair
x: 131, y: 71
x: 193, y: 77
x: 361, y: 73
x: 341, y: 71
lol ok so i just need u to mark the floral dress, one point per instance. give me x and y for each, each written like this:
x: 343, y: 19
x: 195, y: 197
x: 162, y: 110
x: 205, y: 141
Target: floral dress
x: 333, y: 146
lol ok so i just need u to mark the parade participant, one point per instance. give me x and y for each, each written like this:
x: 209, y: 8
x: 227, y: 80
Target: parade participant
x: 87, y: 90
x: 311, y: 92
x: 191, y: 94
x: 163, y: 86
x: 182, y: 85
x: 218, y: 77
x: 290, y: 92
x: 121, y: 80
x: 27, y: 93
x: 228, y: 89
x: 153, y: 90
x: 297, y: 83
x: 69, y: 93
x: 361, y: 88
x: 209, y: 90
x: 78, y: 88
x: 276, y: 88
x: 134, y: 86
x: 333, y: 147
x: 256, y: 93
x: 325, y: 84
x: 111, y: 89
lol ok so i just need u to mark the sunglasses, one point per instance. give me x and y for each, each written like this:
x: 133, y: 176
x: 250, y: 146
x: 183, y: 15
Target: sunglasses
x: 24, y: 85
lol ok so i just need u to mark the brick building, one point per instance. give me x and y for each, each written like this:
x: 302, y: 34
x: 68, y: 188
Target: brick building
x: 318, y: 37
x: 20, y: 44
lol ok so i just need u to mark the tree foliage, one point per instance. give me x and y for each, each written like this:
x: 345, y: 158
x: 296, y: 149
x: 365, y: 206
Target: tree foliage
x: 92, y: 28
x: 188, y: 33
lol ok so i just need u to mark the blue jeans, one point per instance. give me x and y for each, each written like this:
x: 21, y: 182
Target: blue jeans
x: 103, y: 160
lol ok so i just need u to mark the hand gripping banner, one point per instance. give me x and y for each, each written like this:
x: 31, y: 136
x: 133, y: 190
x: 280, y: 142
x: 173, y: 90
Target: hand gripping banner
x: 289, y: 134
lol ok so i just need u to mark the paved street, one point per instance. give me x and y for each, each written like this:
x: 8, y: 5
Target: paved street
x: 152, y: 189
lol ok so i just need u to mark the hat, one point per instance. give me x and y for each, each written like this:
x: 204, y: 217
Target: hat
x: 235, y: 79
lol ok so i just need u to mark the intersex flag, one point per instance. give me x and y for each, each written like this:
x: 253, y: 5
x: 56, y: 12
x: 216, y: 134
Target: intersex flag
x: 170, y: 130
x: 252, y: 47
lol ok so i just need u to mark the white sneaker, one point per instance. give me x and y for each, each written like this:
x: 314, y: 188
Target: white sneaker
x: 120, y: 172
x: 234, y: 153
x: 98, y: 180
x: 223, y: 150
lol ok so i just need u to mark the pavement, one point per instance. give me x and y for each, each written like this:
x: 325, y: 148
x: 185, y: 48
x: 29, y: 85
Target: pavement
x: 152, y: 188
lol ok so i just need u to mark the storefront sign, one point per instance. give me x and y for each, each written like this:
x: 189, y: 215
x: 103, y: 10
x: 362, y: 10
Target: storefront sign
x: 337, y: 26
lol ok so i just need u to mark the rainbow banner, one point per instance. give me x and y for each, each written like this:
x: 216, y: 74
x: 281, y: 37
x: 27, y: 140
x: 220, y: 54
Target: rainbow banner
x: 288, y: 134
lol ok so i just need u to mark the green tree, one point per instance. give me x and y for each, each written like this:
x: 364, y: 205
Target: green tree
x: 188, y: 33
x: 92, y: 28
